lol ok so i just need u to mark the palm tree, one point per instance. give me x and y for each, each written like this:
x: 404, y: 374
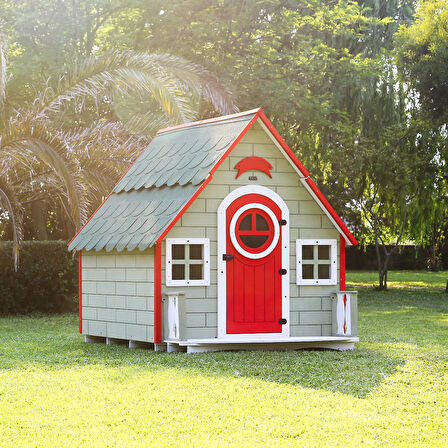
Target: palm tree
x: 71, y: 165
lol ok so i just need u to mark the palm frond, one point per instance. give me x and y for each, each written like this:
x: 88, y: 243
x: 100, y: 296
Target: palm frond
x: 167, y: 79
x: 26, y: 140
x: 103, y: 151
x: 3, y: 63
x: 10, y: 204
x: 199, y: 79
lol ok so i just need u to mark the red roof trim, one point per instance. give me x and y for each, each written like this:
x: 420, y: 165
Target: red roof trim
x: 283, y: 144
x: 209, y: 120
x: 331, y: 211
x: 259, y: 114
x: 306, y: 173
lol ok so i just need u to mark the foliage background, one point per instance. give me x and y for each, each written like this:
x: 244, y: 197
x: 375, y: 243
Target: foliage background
x: 46, y: 282
x: 356, y: 88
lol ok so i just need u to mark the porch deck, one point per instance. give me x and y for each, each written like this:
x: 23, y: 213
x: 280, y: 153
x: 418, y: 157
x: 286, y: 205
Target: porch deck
x: 291, y: 343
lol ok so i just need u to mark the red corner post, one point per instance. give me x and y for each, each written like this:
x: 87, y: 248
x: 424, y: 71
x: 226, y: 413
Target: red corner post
x: 158, y: 293
x: 80, y: 289
x: 342, y: 267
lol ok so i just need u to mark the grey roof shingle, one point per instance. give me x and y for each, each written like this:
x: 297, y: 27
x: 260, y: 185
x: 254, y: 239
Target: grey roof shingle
x: 182, y: 156
x: 128, y: 220
x: 157, y: 186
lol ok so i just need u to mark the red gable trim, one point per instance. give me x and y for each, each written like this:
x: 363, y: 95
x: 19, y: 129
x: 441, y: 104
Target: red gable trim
x: 331, y: 211
x: 306, y: 173
x: 259, y: 114
x: 209, y: 120
x: 283, y: 144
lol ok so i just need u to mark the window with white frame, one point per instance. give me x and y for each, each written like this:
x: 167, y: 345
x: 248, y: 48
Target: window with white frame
x: 316, y: 262
x: 187, y: 262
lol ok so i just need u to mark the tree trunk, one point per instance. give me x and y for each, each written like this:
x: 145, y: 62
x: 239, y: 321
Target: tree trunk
x: 39, y: 213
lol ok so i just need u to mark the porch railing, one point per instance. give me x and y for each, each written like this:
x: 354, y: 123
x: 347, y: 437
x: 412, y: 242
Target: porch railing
x: 345, y: 313
x: 173, y: 308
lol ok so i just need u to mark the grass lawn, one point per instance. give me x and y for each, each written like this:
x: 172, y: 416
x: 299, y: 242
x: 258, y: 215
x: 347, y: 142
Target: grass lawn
x: 56, y: 391
x: 417, y: 279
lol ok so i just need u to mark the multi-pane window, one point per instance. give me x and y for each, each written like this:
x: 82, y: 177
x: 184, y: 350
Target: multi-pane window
x: 187, y: 261
x: 316, y: 262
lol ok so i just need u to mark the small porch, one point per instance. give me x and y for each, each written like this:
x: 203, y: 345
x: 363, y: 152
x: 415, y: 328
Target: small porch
x: 276, y: 344
x: 343, y: 337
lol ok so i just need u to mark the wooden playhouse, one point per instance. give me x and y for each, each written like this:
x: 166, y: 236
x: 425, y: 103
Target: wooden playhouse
x: 216, y: 238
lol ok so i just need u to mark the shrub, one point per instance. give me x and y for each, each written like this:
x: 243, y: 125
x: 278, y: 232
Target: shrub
x: 45, y: 282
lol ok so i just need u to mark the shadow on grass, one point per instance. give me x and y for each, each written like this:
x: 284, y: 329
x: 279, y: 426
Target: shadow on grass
x: 395, y: 326
x: 50, y: 343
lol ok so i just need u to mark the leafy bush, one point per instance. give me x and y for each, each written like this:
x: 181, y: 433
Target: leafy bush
x: 45, y: 282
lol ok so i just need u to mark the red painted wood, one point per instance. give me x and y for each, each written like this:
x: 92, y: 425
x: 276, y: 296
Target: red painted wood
x: 80, y: 289
x: 254, y: 287
x: 158, y: 293
x: 330, y: 209
x: 253, y: 164
x: 342, y: 264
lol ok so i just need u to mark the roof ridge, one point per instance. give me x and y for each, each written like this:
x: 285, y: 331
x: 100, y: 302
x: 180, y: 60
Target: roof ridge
x: 209, y: 120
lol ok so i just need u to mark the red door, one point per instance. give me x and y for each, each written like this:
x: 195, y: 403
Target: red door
x: 254, y: 284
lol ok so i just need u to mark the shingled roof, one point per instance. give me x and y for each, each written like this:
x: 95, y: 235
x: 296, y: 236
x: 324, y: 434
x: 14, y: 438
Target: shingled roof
x: 169, y: 174
x: 156, y: 187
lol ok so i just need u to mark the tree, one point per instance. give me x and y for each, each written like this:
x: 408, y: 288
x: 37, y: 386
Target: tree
x: 422, y: 57
x: 68, y: 166
x: 324, y: 71
x: 333, y: 93
x: 398, y: 188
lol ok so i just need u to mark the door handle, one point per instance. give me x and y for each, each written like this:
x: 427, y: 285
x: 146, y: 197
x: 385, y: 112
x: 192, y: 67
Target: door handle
x: 227, y: 257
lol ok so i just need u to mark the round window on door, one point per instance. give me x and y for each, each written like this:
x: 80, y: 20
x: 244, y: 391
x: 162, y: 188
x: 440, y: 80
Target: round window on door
x: 254, y: 231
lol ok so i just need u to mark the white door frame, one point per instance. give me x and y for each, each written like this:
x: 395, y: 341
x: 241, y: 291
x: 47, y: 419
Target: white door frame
x: 222, y: 266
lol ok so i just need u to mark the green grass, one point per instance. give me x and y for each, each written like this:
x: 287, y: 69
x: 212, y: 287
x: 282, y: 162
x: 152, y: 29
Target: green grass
x: 417, y: 279
x: 56, y: 391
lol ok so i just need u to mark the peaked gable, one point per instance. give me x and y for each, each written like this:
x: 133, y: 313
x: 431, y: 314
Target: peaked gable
x: 170, y: 174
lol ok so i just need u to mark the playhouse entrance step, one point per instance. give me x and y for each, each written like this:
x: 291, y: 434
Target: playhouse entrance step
x: 294, y: 343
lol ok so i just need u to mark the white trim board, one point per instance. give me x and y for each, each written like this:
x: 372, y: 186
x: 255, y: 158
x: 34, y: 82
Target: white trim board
x: 222, y: 267
x: 205, y: 242
x: 333, y: 262
x: 235, y: 242
x: 250, y: 340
